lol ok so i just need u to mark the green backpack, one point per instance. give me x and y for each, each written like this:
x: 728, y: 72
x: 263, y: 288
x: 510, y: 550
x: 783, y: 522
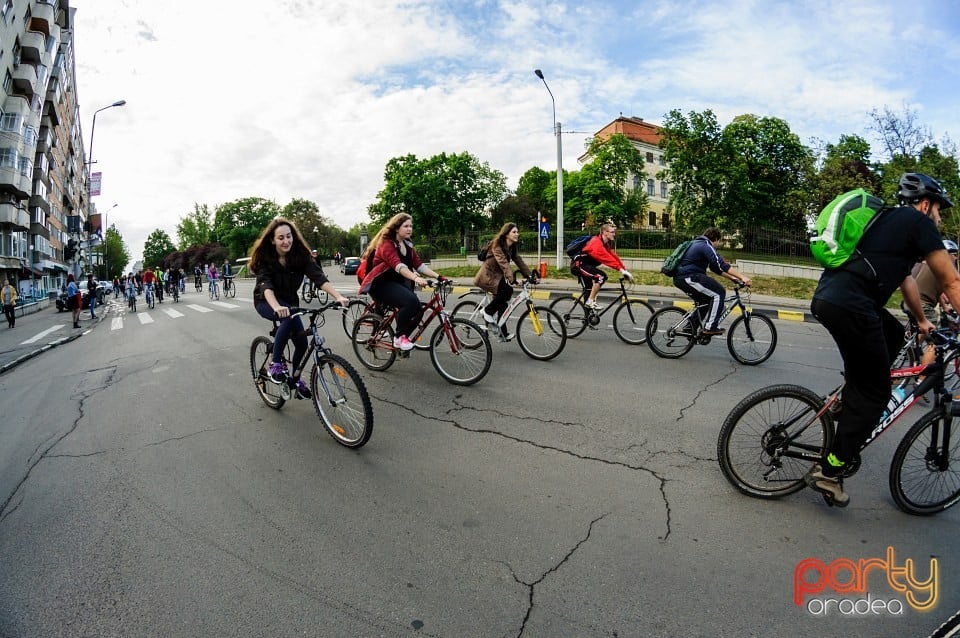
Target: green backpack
x: 672, y: 262
x: 840, y: 226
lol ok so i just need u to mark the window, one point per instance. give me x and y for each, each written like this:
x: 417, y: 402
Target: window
x: 661, y: 161
x: 25, y: 166
x: 7, y: 12
x: 650, y: 158
x: 652, y: 219
x: 8, y: 158
x: 636, y: 182
x: 665, y: 220
x: 649, y: 188
x: 7, y: 82
x: 30, y: 136
x: 663, y: 190
x: 10, y: 122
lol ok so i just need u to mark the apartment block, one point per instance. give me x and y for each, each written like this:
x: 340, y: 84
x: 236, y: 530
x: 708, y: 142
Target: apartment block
x: 43, y: 199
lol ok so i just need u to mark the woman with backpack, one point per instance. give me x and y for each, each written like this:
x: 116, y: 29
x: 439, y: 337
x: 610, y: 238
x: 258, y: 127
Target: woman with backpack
x: 395, y: 270
x: 495, y: 274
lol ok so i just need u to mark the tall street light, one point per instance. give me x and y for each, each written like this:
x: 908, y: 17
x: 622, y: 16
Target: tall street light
x: 93, y: 127
x: 556, y: 128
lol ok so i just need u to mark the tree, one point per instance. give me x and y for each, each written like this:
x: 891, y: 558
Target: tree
x: 516, y: 209
x: 444, y: 194
x: 603, y: 183
x: 901, y: 135
x: 115, y: 255
x: 238, y: 224
x: 534, y: 190
x: 845, y: 166
x: 196, y: 229
x: 156, y: 248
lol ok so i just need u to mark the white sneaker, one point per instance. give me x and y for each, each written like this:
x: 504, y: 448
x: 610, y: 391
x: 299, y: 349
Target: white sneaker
x: 403, y: 343
x: 593, y: 305
x: 488, y: 318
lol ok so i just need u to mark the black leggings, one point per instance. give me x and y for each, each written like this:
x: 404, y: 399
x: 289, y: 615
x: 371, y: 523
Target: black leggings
x: 500, y: 299
x: 400, y: 296
x: 867, y: 346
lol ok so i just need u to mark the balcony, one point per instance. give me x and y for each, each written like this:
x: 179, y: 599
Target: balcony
x: 39, y: 203
x: 12, y: 181
x: 15, y: 216
x: 44, y: 14
x: 25, y: 80
x: 32, y: 46
x: 44, y: 139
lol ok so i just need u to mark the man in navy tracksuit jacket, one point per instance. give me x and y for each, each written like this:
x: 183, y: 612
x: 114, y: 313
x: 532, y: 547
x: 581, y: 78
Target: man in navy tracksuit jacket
x: 692, y: 277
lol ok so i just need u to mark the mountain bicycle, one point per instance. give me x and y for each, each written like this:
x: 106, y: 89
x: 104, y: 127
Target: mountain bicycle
x: 751, y: 339
x: 132, y: 299
x: 149, y: 296
x: 214, y: 289
x: 339, y: 395
x: 229, y: 288
x: 540, y: 332
x: 309, y: 292
x: 772, y: 438
x: 629, y: 319
x: 459, y: 349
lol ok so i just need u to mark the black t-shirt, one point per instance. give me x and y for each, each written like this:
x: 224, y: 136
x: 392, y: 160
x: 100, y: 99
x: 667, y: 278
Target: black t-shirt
x: 898, y: 239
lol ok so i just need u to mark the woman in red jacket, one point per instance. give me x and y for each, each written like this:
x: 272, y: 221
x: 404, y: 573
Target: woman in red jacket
x: 397, y: 268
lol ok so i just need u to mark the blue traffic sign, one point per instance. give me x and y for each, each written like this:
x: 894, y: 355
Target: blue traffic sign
x: 544, y: 230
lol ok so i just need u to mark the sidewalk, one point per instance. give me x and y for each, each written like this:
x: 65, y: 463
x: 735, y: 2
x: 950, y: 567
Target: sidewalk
x: 40, y: 328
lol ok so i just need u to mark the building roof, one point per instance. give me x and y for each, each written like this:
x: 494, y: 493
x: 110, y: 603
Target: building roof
x: 634, y: 128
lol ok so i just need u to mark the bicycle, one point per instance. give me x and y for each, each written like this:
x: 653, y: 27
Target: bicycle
x: 149, y: 296
x: 309, y: 292
x: 229, y: 288
x: 629, y: 319
x: 751, y: 339
x: 459, y: 349
x: 795, y: 426
x: 355, y: 309
x: 132, y: 299
x: 214, y: 289
x: 340, y: 397
x: 540, y: 332
x: 175, y: 290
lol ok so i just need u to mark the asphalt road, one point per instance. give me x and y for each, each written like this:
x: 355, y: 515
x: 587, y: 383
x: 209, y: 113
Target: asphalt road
x: 145, y: 490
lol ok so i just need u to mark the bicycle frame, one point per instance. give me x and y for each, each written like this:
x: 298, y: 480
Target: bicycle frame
x: 435, y: 307
x: 523, y: 296
x: 619, y: 299
x: 734, y: 302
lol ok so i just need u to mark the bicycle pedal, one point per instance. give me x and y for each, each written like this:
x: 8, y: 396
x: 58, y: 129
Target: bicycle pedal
x: 405, y: 354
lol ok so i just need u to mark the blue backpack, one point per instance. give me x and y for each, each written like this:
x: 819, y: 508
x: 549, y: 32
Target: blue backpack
x: 574, y: 247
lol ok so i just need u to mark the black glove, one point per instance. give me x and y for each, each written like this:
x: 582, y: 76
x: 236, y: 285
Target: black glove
x: 534, y: 278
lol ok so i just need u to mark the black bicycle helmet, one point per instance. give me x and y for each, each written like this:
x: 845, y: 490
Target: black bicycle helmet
x: 916, y: 186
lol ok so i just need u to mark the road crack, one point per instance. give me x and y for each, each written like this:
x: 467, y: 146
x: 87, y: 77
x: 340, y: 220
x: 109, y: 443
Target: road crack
x: 696, y: 398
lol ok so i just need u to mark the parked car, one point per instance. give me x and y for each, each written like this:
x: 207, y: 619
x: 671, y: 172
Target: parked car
x: 104, y: 290
x: 349, y: 265
x: 62, y: 300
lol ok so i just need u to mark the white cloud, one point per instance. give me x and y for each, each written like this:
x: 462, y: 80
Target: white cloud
x: 303, y: 98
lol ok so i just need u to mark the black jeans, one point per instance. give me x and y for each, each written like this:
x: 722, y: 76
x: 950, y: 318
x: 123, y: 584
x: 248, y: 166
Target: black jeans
x: 9, y: 311
x: 401, y: 296
x: 500, y: 300
x: 867, y: 346
x: 289, y: 329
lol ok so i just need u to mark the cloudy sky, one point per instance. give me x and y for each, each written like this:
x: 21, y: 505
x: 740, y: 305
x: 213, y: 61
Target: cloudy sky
x: 311, y: 98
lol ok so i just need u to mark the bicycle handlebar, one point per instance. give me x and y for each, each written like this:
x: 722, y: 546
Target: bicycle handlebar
x: 296, y: 311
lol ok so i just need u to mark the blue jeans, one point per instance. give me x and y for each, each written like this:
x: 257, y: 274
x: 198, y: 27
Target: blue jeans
x: 93, y: 303
x: 289, y: 328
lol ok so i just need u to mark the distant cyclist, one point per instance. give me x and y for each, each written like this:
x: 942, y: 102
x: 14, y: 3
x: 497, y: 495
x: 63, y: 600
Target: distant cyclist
x: 599, y: 251
x: 850, y: 303
x: 692, y: 277
x: 280, y: 259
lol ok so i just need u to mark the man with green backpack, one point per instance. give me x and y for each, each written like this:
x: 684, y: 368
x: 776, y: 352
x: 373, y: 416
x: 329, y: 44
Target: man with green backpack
x: 849, y: 301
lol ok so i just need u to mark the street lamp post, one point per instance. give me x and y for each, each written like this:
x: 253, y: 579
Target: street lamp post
x: 557, y: 129
x: 93, y: 128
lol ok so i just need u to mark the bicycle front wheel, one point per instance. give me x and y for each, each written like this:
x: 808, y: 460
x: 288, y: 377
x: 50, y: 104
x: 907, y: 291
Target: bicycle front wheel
x: 925, y: 473
x: 669, y: 333
x: 752, y: 339
x: 373, y: 342
x: 341, y: 401
x: 354, y: 310
x: 307, y: 294
x: 772, y: 438
x: 630, y: 321
x: 460, y: 351
x: 261, y: 354
x: 231, y: 291
x: 541, y: 333
x: 573, y: 314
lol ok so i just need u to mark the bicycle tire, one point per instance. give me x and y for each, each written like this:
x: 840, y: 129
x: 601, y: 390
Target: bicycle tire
x: 573, y: 313
x: 231, y: 291
x: 467, y: 309
x: 667, y: 335
x: 761, y: 429
x: 261, y: 353
x: 630, y: 321
x: 541, y: 333
x: 949, y: 629
x: 373, y: 342
x: 322, y: 297
x: 453, y: 359
x: 307, y: 294
x: 354, y: 310
x: 752, y: 338
x: 918, y: 484
x: 341, y: 401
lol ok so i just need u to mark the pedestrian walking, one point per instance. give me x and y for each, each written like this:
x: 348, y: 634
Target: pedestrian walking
x: 8, y: 295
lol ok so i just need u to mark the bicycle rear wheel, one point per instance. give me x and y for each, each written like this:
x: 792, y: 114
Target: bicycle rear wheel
x: 573, y: 314
x: 541, y: 333
x: 669, y: 333
x: 630, y: 321
x: 307, y: 293
x: 373, y: 342
x: 231, y: 291
x: 461, y: 353
x: 261, y: 353
x: 771, y: 439
x: 752, y: 339
x: 925, y: 471
x: 341, y: 401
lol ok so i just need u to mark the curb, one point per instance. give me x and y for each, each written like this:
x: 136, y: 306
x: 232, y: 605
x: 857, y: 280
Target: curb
x: 47, y: 346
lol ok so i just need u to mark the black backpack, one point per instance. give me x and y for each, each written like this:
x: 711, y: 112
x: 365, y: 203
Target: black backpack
x: 574, y: 247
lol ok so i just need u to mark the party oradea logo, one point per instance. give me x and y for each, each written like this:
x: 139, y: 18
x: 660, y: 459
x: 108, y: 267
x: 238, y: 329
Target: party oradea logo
x: 865, y: 586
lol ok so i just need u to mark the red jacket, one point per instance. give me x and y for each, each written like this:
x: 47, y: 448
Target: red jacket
x: 387, y: 257
x: 597, y: 251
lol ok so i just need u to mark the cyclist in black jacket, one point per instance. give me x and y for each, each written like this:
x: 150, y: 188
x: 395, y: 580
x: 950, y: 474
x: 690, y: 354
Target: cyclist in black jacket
x: 692, y: 277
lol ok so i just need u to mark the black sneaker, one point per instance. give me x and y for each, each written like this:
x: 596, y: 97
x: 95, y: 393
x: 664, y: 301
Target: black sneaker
x: 303, y: 392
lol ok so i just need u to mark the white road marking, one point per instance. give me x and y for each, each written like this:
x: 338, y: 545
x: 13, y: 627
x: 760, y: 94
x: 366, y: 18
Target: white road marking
x: 41, y: 335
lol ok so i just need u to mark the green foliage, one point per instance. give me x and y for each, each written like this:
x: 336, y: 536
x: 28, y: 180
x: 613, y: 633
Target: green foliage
x: 237, y: 224
x: 444, y: 194
x: 115, y: 255
x: 844, y: 167
x: 157, y: 246
x: 534, y: 189
x: 196, y: 228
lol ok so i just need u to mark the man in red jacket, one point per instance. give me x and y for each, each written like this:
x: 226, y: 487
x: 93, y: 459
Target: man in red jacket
x: 595, y: 253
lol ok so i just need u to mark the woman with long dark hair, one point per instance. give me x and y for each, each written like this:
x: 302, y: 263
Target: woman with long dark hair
x: 495, y: 273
